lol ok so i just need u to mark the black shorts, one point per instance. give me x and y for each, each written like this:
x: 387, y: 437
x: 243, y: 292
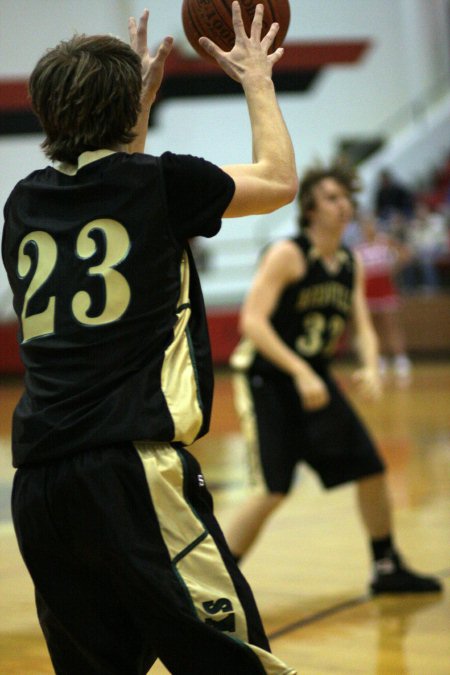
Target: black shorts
x: 280, y: 434
x: 129, y: 564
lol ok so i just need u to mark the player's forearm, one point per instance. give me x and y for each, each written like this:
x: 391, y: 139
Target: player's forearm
x: 271, y: 346
x: 273, y: 152
x: 366, y: 338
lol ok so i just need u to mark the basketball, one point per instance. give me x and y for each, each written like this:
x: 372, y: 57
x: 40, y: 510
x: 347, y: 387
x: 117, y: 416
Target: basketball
x: 212, y: 18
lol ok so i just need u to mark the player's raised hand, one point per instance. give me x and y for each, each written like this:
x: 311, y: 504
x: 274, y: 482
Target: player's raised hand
x: 152, y: 66
x: 250, y: 54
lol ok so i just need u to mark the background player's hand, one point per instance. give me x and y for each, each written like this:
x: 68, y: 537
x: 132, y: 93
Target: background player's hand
x: 369, y: 382
x: 249, y: 55
x: 152, y: 66
x: 312, y: 390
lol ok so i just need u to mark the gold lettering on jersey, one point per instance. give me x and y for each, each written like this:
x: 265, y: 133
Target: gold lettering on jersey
x: 330, y: 293
x: 40, y: 323
x: 118, y: 294
x: 117, y: 289
x: 320, y: 334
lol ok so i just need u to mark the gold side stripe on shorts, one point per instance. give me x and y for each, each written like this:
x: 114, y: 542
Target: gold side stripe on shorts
x: 192, y: 550
x: 243, y: 401
x: 189, y: 548
x: 194, y: 553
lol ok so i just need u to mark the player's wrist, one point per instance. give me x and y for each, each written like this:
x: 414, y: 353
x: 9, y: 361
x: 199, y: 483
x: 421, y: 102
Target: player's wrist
x: 300, y: 370
x: 147, y: 100
x: 255, y: 82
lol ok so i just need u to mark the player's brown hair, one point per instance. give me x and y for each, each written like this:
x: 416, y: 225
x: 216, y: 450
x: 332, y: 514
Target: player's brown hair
x: 340, y: 170
x: 86, y: 94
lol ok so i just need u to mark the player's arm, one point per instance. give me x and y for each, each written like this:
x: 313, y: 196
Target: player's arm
x: 270, y: 181
x: 368, y: 377
x: 152, y: 74
x: 282, y: 265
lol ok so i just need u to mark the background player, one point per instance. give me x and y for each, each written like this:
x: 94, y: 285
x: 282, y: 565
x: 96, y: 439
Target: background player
x: 112, y: 515
x: 304, y: 292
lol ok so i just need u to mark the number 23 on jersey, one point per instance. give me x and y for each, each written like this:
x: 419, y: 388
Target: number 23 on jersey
x: 117, y: 290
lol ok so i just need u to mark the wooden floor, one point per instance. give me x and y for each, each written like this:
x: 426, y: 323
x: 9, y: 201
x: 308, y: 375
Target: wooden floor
x: 309, y: 570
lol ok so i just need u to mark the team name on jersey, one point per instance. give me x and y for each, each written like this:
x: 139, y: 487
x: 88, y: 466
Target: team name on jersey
x: 329, y: 293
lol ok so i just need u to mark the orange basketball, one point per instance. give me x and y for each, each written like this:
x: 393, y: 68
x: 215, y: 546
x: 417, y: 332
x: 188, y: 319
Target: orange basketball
x: 212, y: 18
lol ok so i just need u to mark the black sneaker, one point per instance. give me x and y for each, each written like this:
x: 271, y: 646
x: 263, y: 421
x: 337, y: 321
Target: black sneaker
x: 391, y: 576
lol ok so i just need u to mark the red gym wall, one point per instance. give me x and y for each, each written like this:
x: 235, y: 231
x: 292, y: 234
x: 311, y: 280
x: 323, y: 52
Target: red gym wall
x: 222, y: 326
x: 426, y: 321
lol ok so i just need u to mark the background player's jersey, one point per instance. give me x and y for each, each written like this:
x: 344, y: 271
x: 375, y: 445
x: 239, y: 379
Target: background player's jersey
x: 311, y: 314
x: 112, y: 324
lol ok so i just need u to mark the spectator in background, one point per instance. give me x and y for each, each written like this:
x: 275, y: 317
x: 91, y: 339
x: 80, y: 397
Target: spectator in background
x: 428, y: 238
x: 382, y: 256
x: 392, y: 197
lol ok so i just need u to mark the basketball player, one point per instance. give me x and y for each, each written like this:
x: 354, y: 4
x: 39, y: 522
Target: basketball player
x: 304, y: 292
x: 112, y: 515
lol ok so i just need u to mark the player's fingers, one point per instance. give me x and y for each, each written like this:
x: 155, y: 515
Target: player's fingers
x: 132, y: 32
x: 141, y: 33
x: 164, y: 49
x: 276, y: 56
x: 210, y: 47
x: 269, y: 37
x: 238, y: 23
x: 256, y: 27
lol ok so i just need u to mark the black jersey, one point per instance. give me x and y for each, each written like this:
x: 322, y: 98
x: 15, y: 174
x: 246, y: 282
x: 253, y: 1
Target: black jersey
x: 311, y: 314
x: 112, y: 332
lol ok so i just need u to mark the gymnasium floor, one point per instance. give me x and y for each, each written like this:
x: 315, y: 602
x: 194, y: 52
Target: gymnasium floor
x: 309, y: 570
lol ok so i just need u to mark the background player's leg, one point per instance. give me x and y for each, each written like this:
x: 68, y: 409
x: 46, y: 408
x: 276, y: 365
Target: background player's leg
x: 266, y: 412
x: 342, y: 451
x: 374, y: 505
x: 243, y: 531
x: 390, y: 574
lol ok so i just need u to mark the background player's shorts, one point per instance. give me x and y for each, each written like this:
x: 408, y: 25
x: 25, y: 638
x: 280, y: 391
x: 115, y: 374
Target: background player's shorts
x: 280, y: 434
x: 129, y: 564
x: 381, y: 294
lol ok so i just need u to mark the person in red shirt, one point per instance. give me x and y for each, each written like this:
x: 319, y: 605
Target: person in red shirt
x: 381, y: 258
